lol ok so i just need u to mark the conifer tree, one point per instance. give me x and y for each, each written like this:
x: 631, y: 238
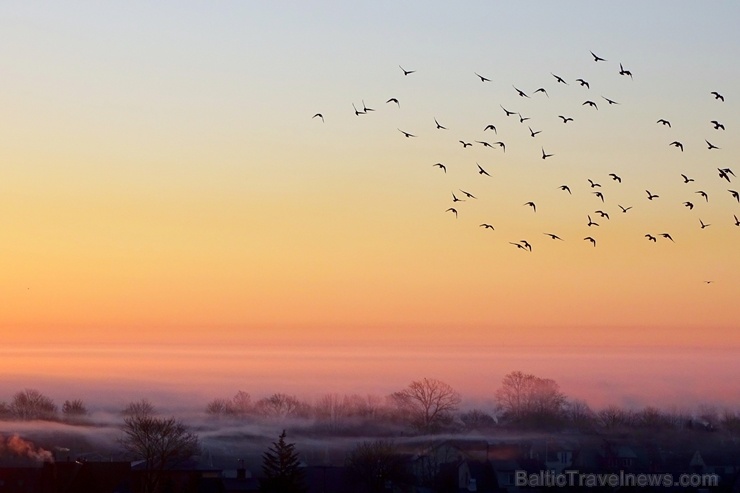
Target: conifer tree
x: 280, y: 466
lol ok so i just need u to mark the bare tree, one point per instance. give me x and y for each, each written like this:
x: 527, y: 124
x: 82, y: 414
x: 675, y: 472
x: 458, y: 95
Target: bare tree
x: 160, y: 442
x: 5, y: 411
x: 141, y: 407
x: 429, y: 402
x: 281, y: 405
x: 369, y: 406
x: 241, y: 404
x: 512, y: 395
x: 74, y: 411
x: 579, y: 414
x: 31, y: 404
x: 530, y: 400
x: 613, y: 417
x: 653, y: 419
x: 219, y: 408
x: 331, y: 409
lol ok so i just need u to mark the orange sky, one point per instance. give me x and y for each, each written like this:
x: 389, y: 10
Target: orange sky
x: 163, y: 181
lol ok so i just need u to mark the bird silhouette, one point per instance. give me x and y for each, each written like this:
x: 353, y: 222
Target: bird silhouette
x: 508, y: 113
x: 453, y: 210
x: 677, y: 144
x: 559, y: 79
x: 394, y: 100
x: 599, y: 195
x: 565, y: 119
x: 406, y: 134
x: 651, y: 196
x: 468, y: 194
x: 615, y: 177
x: 357, y: 112
x: 439, y: 126
x: 622, y: 71
x: 565, y: 188
x: 545, y: 155
x: 735, y: 194
x: 465, y: 144
x: 686, y: 179
x: 718, y: 96
x: 491, y: 127
x: 584, y: 83
x: 690, y: 205
x: 703, y: 194
x: 593, y: 183
x: 520, y: 92
x: 590, y: 222
x: 703, y: 225
x: 484, y: 144
x: 624, y: 209
x: 487, y: 226
x: 597, y: 58
x: 441, y: 166
x: 482, y: 79
x: 610, y: 101
x: 590, y: 103
x: 318, y: 115
x: 406, y: 72
x: 590, y: 239
x: 723, y: 174
x: 365, y: 108
x: 532, y: 205
x: 518, y: 245
x: 532, y: 132
x: 717, y: 125
x: 522, y: 119
x: 455, y: 199
x: 481, y: 171
x: 602, y: 214
x: 542, y: 90
x: 526, y: 244
x: 664, y: 122
x: 666, y: 235
x: 737, y: 221
x: 651, y: 238
x: 554, y: 237
x: 501, y: 145
x: 710, y: 146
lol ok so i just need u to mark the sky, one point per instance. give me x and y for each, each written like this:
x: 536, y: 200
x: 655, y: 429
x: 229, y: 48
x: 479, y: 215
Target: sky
x: 163, y: 183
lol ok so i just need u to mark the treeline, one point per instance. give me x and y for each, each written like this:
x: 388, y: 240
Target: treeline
x: 30, y: 404
x: 523, y: 402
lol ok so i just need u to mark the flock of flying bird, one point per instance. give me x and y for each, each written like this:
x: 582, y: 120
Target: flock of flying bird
x: 724, y: 173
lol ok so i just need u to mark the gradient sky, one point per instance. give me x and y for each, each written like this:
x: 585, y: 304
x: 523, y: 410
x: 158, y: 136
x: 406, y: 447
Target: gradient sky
x: 162, y: 179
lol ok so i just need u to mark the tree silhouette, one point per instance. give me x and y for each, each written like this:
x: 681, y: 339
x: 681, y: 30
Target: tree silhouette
x: 161, y: 442
x: 429, y: 403
x: 530, y: 400
x: 281, y: 406
x: 139, y: 408
x: 74, y: 411
x: 281, y: 469
x: 31, y: 404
